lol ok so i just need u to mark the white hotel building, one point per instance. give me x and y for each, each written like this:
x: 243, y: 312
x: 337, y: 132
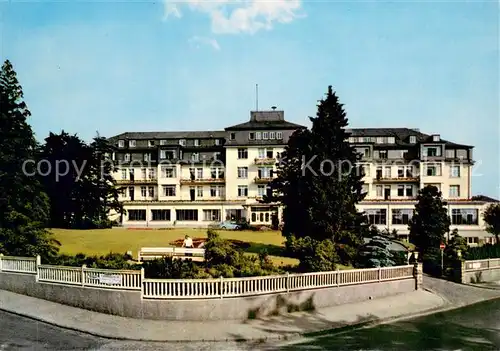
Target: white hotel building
x: 196, y: 178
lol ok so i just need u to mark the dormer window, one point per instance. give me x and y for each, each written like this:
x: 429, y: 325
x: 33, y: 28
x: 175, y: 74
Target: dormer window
x: 251, y: 136
x: 195, y: 157
x: 413, y: 139
x: 151, y: 143
x: 217, y: 141
x: 131, y: 143
x: 391, y: 140
x: 127, y: 157
x: 121, y: 143
x: 258, y: 135
x: 279, y: 135
x: 265, y: 135
x: 182, y: 142
x: 380, y: 140
x: 196, y: 142
x: 163, y: 142
x: 436, y: 138
x: 232, y: 136
x: 272, y: 135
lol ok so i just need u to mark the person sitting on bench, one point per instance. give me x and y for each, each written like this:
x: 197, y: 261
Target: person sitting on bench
x: 188, y: 244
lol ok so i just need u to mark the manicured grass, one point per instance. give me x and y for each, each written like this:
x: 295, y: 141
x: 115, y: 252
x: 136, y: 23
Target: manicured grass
x: 121, y: 240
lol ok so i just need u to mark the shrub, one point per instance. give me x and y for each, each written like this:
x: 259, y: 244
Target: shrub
x: 109, y: 261
x: 483, y: 252
x: 314, y: 255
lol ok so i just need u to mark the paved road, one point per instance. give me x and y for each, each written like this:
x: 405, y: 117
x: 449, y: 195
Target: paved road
x: 20, y: 333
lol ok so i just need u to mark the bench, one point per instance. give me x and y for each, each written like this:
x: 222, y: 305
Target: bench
x: 151, y: 253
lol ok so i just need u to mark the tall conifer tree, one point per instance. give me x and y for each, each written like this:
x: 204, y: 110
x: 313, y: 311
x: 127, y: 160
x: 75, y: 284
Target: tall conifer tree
x: 24, y: 207
x: 319, y: 182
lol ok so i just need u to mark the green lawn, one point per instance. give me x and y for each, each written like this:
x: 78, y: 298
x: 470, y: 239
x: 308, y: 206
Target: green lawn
x: 103, y: 241
x: 120, y: 240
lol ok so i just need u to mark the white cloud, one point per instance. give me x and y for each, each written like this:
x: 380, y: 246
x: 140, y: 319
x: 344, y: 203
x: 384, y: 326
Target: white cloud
x: 170, y: 9
x: 239, y: 16
x: 198, y: 41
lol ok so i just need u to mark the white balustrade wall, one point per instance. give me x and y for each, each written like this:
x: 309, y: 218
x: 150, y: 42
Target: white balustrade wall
x: 199, y: 288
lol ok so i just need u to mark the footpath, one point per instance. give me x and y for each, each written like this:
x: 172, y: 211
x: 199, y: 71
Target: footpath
x: 438, y: 296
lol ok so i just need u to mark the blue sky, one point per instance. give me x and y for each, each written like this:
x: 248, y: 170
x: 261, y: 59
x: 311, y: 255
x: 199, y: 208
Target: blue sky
x: 116, y: 66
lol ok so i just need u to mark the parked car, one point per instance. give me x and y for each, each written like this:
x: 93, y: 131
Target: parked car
x: 231, y: 225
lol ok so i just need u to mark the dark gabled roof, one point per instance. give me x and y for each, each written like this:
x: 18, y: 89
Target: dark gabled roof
x: 169, y: 135
x: 256, y: 125
x: 402, y: 135
x: 484, y: 198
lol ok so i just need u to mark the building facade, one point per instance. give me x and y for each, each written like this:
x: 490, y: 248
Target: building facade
x: 197, y: 178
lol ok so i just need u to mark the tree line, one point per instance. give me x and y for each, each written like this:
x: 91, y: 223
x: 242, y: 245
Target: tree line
x: 36, y: 195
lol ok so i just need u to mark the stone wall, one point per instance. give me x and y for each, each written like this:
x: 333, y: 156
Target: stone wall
x: 130, y: 304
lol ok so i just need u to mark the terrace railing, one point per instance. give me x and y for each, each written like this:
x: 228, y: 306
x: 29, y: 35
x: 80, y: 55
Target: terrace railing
x: 198, y: 288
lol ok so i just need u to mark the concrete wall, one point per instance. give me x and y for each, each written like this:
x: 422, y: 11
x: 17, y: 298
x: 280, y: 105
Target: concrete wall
x: 481, y: 276
x: 129, y: 303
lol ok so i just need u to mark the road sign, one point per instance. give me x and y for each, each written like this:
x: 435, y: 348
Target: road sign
x: 442, y: 246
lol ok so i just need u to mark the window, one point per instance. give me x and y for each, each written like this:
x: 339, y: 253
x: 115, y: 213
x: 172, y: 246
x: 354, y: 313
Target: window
x: 473, y: 240
x: 433, y: 151
x: 365, y: 188
x: 163, y: 142
x: 199, y: 191
x: 143, y: 173
x: 242, y: 154
x: 121, y: 143
x: 168, y: 172
x: 251, y: 136
x: 192, y: 173
x: 455, y: 171
x: 279, y: 135
x: 261, y: 190
x: 366, y: 170
x: 124, y: 174
x: 163, y: 154
x: 464, y: 216
x: 401, y: 190
x: 454, y: 191
x: 182, y: 142
x: 409, y: 191
x: 195, y: 157
x: 143, y: 191
x: 269, y: 153
x: 169, y: 190
x: 151, y: 191
x: 242, y: 190
x: 379, y: 189
x: 387, y: 172
x: 413, y: 139
x: 383, y: 154
x: 152, y: 173
x: 217, y: 155
x: 217, y: 141
x: 265, y: 135
x: 262, y: 153
x: 151, y: 143
x: 272, y: 135
x: 186, y: 215
x: 433, y: 170
x: 232, y: 136
x: 380, y: 140
x: 435, y: 137
x: 391, y: 140
x: 211, y: 215
x: 199, y: 173
x: 376, y: 216
x: 160, y: 215
x: 450, y: 153
x: 136, y: 215
x: 147, y: 157
x: 243, y: 172
x: 217, y: 173
x: 131, y: 143
x: 127, y: 157
x: 216, y: 190
x: 402, y: 216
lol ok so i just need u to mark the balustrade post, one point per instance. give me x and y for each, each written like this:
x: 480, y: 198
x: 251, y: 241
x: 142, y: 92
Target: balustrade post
x: 141, y: 282
x: 337, y: 277
x: 37, y: 264
x: 287, y: 282
x: 221, y: 287
x: 1, y: 256
x: 379, y: 273
x: 83, y: 274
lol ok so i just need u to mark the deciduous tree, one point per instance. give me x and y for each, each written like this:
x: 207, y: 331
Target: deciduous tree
x: 492, y: 218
